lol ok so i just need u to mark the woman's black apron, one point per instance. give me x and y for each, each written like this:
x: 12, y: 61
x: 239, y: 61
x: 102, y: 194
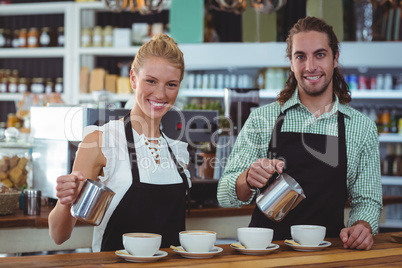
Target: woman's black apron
x: 318, y: 164
x: 147, y: 207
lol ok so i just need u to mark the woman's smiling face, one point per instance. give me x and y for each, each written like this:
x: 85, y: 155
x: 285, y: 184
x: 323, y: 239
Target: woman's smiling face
x: 156, y: 87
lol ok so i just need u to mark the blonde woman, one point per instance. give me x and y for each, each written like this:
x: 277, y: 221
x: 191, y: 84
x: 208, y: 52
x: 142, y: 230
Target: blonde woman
x: 131, y: 156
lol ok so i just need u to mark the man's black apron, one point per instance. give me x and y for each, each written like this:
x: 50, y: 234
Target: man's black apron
x: 306, y: 160
x: 147, y: 207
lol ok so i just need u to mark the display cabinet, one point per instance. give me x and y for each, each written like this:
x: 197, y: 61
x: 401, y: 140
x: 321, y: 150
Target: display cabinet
x: 41, y: 53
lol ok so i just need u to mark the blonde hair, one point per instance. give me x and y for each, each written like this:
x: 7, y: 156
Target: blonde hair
x: 163, y: 46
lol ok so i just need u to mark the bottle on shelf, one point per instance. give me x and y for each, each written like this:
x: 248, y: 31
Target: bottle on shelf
x: 15, y: 73
x: 46, y: 37
x: 23, y: 38
x: 397, y: 163
x: 400, y: 126
x: 49, y: 87
x: 15, y: 39
x: 394, y: 121
x: 7, y: 73
x: 58, y: 87
x: 97, y: 36
x: 86, y: 37
x: 353, y: 82
x: 13, y: 85
x: 60, y: 36
x: 23, y: 85
x: 386, y: 121
x: 372, y: 114
x: 3, y: 41
x: 37, y: 86
x: 33, y: 37
x: 7, y: 33
x: 108, y: 36
x: 12, y: 119
x: 389, y: 160
x: 4, y: 85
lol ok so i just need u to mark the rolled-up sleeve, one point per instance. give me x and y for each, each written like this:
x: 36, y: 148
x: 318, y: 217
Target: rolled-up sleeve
x: 249, y: 147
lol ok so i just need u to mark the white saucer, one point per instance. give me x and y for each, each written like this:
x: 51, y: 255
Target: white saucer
x: 158, y: 255
x: 199, y: 255
x: 321, y: 246
x: 267, y: 250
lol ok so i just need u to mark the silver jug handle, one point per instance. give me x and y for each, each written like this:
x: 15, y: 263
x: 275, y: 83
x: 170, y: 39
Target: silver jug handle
x: 258, y: 191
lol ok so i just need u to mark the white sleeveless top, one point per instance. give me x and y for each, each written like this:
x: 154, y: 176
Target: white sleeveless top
x: 117, y: 172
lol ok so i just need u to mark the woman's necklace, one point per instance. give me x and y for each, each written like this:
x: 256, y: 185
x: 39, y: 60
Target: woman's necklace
x: 154, y: 148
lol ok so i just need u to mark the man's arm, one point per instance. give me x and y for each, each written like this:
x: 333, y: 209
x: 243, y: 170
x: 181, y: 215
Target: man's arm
x: 365, y: 195
x: 246, y: 150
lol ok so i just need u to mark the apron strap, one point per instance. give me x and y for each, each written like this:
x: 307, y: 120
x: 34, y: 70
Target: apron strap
x: 131, y: 147
x: 181, y: 172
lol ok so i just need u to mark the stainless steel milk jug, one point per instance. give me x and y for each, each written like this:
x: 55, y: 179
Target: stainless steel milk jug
x: 281, y: 196
x: 92, y: 202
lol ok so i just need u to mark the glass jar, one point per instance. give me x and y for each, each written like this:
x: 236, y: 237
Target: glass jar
x: 37, y: 86
x: 108, y: 36
x: 12, y: 119
x: 60, y: 36
x: 7, y: 34
x: 22, y: 38
x: 15, y: 39
x: 15, y: 73
x: 45, y: 39
x: 49, y: 88
x: 23, y: 85
x: 33, y: 37
x: 7, y: 73
x: 58, y: 87
x: 3, y: 41
x: 86, y: 37
x: 97, y: 37
x: 4, y: 85
x: 13, y: 85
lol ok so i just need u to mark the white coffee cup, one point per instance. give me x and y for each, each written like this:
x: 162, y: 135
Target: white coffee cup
x: 142, y: 244
x: 308, y: 235
x: 197, y: 240
x: 255, y: 237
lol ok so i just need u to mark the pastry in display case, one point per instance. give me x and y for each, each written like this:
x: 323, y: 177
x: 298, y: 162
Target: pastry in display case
x: 15, y: 161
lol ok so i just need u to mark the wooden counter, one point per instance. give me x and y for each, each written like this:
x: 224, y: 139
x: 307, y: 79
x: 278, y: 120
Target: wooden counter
x: 383, y: 254
x: 17, y: 227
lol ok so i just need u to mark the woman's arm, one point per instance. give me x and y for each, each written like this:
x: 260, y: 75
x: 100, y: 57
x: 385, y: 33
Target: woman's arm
x: 87, y: 165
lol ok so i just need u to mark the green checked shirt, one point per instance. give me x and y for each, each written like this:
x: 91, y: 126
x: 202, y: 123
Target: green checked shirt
x: 362, y: 148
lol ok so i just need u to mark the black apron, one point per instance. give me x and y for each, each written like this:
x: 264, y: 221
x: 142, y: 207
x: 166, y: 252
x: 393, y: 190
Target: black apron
x: 147, y: 207
x: 324, y: 184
